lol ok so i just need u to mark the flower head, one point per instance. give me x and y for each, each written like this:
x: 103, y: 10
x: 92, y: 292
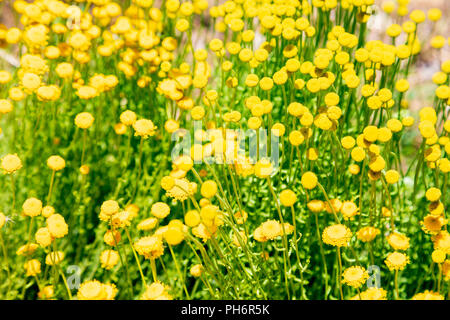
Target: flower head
x: 337, y: 235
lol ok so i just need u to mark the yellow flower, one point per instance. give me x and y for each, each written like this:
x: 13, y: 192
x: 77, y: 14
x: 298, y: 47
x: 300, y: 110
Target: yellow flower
x: 271, y: 229
x: 109, y: 259
x: 208, y: 189
x: 371, y: 294
x: 337, y: 235
x: 84, y: 120
x: 156, y: 291
x: 56, y: 163
x: 46, y: 293
x: 438, y: 256
x: 349, y: 210
x: 181, y: 189
x: 109, y: 207
x: 32, y: 207
x: 32, y: 267
x: 57, y: 226
x: 144, y: 128
x: 11, y: 163
x: 316, y: 205
x: 192, y: 218
x: 434, y: 14
x: 355, y: 276
x: 196, y: 270
x: 309, y: 180
x: 428, y: 295
x: 128, y: 117
x: 27, y: 249
x: 392, y: 176
x: 263, y: 168
x: 173, y: 235
x: 64, y: 70
x: 160, y: 210
x: 95, y: 290
x: 147, y: 224
x: 396, y: 261
x: 112, y: 238
x: 418, y: 16
x: 433, y: 224
x: 5, y: 106
x: 54, y: 258
x: 367, y: 234
x: 2, y: 219
x: 288, y: 198
x: 433, y: 194
x: 150, y: 247
x: 398, y: 241
x: 43, y: 237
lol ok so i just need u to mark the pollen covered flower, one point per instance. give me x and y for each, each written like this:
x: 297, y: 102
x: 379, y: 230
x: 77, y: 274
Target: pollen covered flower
x: 109, y: 259
x: 147, y: 224
x: 27, y: 249
x: 43, y: 237
x: 271, y: 229
x: 57, y: 226
x: 288, y: 198
x: 371, y: 294
x: 2, y: 219
x: 11, y: 163
x: 46, y: 293
x: 428, y: 295
x: 112, y: 238
x: 208, y: 189
x: 349, y: 210
x: 173, y: 235
x: 433, y: 224
x: 398, y: 241
x: 95, y: 290
x: 56, y: 163
x: 5, y: 106
x: 150, y: 247
x: 32, y: 267
x: 84, y: 120
x: 309, y: 180
x: 355, y: 276
x: 182, y: 189
x: 156, y: 291
x: 367, y: 234
x: 396, y: 261
x: 160, y: 210
x: 337, y: 235
x: 263, y: 168
x: 144, y: 128
x: 54, y: 258
x: 32, y: 207
x: 196, y: 270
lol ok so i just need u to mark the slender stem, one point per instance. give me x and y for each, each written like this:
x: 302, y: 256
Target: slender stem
x: 322, y: 254
x: 51, y: 187
x: 302, y: 289
x: 179, y: 271
x: 136, y: 257
x: 396, y: 285
x: 139, y: 167
x: 5, y: 256
x: 153, y: 267
x: 284, y: 237
x: 13, y: 188
x: 329, y: 202
x: 340, y: 271
x: 84, y: 146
